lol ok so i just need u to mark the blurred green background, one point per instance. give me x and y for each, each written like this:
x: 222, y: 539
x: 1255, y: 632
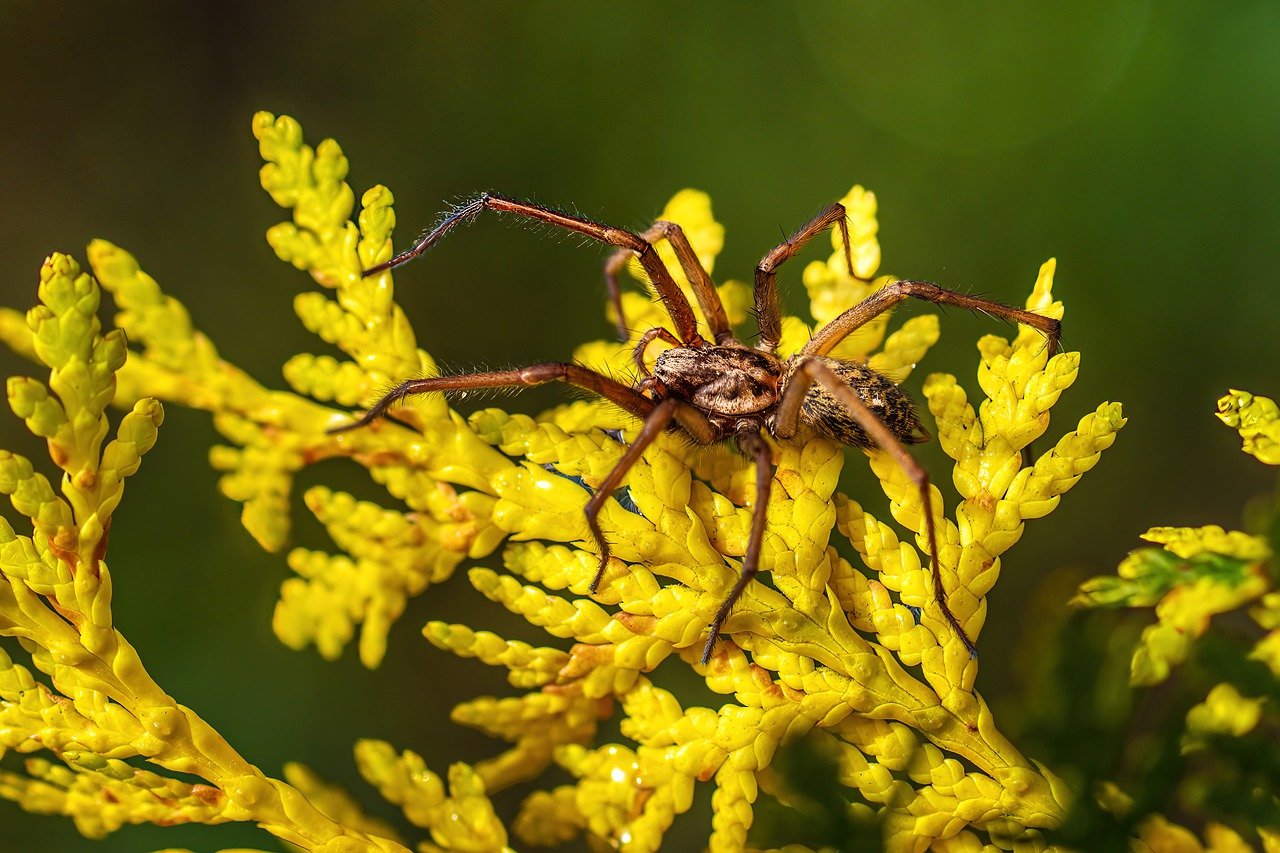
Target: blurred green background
x: 1135, y: 142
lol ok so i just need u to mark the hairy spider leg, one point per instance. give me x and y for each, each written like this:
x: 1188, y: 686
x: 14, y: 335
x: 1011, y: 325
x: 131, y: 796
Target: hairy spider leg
x: 656, y: 417
x: 659, y: 419
x: 830, y: 335
x: 882, y: 300
x: 753, y: 445
x: 668, y: 291
x: 890, y: 295
x: 537, y: 374
x: 704, y: 289
x: 768, y: 306
x: 811, y: 370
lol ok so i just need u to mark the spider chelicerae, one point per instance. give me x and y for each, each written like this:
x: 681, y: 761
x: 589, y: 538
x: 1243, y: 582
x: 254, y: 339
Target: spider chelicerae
x: 724, y: 390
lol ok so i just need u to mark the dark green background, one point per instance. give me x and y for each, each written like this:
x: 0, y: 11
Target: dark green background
x: 1135, y: 142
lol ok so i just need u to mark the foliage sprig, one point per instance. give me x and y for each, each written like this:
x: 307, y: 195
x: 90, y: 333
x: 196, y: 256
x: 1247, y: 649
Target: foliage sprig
x: 853, y: 652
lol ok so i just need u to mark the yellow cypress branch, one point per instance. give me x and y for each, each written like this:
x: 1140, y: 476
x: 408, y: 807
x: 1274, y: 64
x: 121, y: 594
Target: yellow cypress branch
x: 860, y: 653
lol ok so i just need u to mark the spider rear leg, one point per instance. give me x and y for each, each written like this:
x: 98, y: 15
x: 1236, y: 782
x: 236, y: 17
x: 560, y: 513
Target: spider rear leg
x: 668, y: 291
x: 755, y: 446
x: 826, y: 338
x: 829, y: 336
x: 788, y: 415
x: 704, y: 289
x: 768, y: 307
x: 536, y: 374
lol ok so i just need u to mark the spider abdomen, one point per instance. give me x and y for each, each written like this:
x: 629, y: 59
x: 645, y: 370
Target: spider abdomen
x: 894, y: 408
x: 721, y: 380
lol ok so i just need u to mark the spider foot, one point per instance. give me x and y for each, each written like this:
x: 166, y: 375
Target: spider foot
x: 604, y: 564
x: 960, y: 632
x: 710, y: 645
x: 716, y: 626
x: 356, y: 424
x: 377, y: 413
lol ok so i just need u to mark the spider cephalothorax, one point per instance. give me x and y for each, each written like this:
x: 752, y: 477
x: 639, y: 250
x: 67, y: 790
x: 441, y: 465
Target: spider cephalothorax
x: 727, y: 383
x: 724, y: 390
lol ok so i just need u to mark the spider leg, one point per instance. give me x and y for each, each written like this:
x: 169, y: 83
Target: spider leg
x: 643, y: 345
x: 811, y: 370
x: 657, y: 422
x: 703, y: 287
x: 537, y: 374
x: 886, y: 297
x: 668, y: 291
x: 768, y: 307
x: 752, y: 444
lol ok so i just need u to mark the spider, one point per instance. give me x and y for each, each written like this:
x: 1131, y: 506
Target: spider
x: 724, y: 390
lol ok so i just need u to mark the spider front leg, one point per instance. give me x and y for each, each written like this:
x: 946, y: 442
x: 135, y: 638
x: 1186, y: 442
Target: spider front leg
x: 668, y: 291
x: 693, y: 421
x: 537, y: 374
x: 768, y: 307
x: 704, y: 289
x: 812, y: 370
x: 753, y: 445
x: 657, y: 417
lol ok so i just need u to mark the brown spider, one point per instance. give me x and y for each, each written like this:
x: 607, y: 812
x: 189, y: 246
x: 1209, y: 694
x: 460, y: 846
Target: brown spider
x: 725, y: 390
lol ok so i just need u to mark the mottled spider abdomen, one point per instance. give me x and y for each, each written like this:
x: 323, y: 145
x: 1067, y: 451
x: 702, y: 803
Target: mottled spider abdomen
x: 878, y: 392
x: 722, y: 380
